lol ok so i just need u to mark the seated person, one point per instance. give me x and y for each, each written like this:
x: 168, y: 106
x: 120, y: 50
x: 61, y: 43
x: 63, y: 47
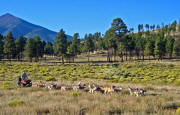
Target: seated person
x: 24, y: 77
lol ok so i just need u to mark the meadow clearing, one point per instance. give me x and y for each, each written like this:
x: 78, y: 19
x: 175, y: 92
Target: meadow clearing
x: 161, y: 80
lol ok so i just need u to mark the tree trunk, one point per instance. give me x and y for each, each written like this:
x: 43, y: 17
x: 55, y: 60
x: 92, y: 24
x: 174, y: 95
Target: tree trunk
x: 114, y: 54
x: 88, y: 55
x: 130, y: 55
x: 30, y: 59
x: 126, y: 55
x: 108, y: 56
x: 143, y: 54
x: 121, y: 54
x: 62, y: 59
x: 149, y: 57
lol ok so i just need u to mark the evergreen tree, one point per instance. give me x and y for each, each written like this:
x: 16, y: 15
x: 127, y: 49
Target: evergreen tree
x: 120, y: 29
x: 149, y: 48
x: 89, y: 44
x: 179, y: 26
x: 9, y: 46
x: 173, y: 26
x: 101, y: 44
x: 43, y: 47
x: 140, y: 28
x: 48, y: 49
x: 110, y: 40
x: 20, y: 44
x: 38, y: 48
x: 30, y: 49
x: 176, y: 49
x: 140, y: 44
x: 60, y: 46
x: 169, y: 46
x: 1, y: 47
x: 160, y: 48
x: 96, y: 37
x: 147, y: 27
x: 129, y: 45
x: 74, y: 46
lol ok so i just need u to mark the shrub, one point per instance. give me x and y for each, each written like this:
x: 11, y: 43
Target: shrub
x: 50, y: 78
x: 115, y: 111
x: 178, y: 82
x: 42, y: 111
x: 15, y: 103
x: 6, y: 85
x: 76, y: 94
x: 178, y: 110
x: 171, y: 65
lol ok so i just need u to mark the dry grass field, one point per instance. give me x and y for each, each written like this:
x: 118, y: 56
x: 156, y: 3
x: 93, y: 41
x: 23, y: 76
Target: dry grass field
x: 159, y: 100
x: 162, y: 97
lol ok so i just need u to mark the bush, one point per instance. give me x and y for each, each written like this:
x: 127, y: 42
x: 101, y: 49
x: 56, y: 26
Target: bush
x: 50, y: 79
x: 178, y: 110
x: 115, y: 111
x: 6, y: 85
x: 15, y: 103
x: 75, y: 94
x: 178, y: 82
x: 42, y: 111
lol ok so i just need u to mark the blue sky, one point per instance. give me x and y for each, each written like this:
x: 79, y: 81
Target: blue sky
x: 89, y: 16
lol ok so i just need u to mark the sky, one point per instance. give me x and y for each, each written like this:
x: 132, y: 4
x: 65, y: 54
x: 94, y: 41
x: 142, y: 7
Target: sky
x: 90, y: 16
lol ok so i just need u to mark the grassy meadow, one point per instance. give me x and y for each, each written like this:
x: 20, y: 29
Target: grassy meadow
x: 161, y: 80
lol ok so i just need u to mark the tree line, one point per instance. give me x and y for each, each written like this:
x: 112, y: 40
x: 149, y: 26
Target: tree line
x: 154, y: 42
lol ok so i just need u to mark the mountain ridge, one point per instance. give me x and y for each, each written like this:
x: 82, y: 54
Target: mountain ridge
x: 18, y: 26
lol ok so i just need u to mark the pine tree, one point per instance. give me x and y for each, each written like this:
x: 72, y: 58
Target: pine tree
x: 147, y: 27
x: 149, y: 48
x: 38, y: 48
x: 96, y: 37
x: 48, y: 49
x: 1, y: 47
x: 89, y: 44
x: 60, y: 46
x: 101, y: 44
x: 176, y: 49
x: 30, y: 49
x: 74, y: 46
x: 20, y: 44
x: 9, y: 46
x: 110, y: 40
x: 120, y: 29
x: 160, y: 48
x: 169, y: 46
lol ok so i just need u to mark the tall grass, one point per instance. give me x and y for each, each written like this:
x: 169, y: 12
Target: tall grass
x: 40, y: 101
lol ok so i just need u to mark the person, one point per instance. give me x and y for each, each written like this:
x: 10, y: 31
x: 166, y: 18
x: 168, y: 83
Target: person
x: 24, y: 77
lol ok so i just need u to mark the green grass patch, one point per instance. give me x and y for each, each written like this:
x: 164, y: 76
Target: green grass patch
x: 6, y: 85
x: 50, y: 78
x: 178, y: 110
x: 75, y: 94
x: 15, y: 102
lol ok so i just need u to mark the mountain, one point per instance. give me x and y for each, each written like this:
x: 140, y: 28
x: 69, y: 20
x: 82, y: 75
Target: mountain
x: 18, y: 26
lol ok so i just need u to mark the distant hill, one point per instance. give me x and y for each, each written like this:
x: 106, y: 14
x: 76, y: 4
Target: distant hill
x: 18, y: 26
